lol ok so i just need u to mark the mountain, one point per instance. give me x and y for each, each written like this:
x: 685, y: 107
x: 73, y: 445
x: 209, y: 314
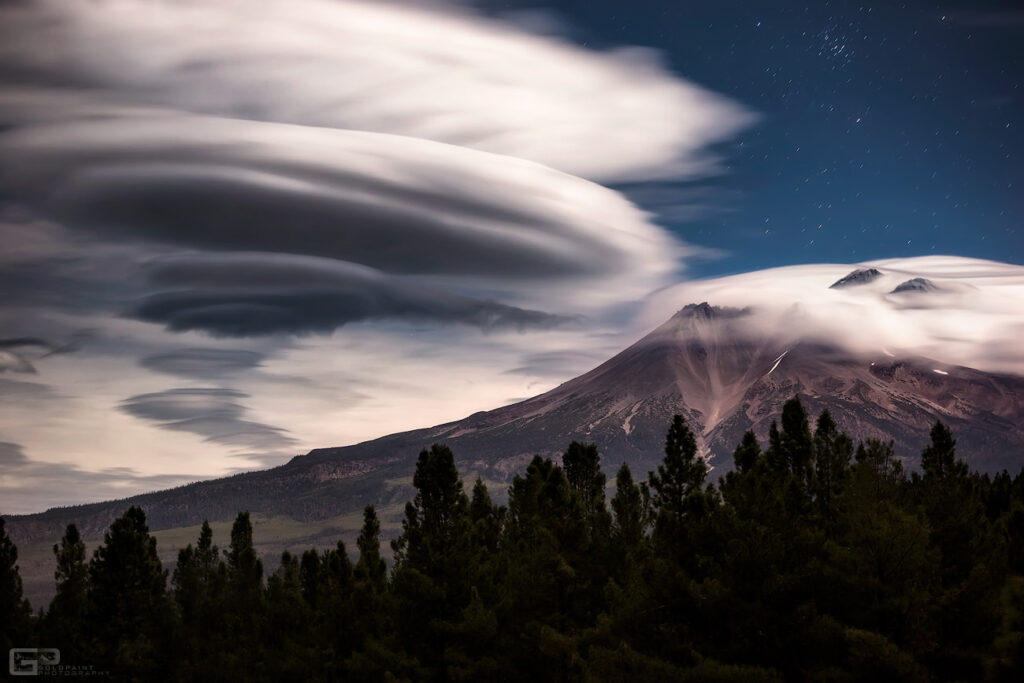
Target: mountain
x: 712, y: 365
x: 861, y: 276
x: 917, y: 284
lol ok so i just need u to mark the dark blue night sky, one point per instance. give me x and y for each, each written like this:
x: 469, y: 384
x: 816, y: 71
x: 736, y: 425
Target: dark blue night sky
x: 887, y: 129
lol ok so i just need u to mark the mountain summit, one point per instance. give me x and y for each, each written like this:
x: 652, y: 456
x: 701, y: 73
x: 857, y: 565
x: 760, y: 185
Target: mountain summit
x: 917, y: 284
x: 861, y: 276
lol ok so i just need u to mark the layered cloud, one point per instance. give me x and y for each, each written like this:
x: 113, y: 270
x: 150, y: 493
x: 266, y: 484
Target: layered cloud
x: 202, y: 362
x: 213, y: 413
x: 969, y: 311
x: 437, y: 72
x: 398, y: 204
x: 251, y: 294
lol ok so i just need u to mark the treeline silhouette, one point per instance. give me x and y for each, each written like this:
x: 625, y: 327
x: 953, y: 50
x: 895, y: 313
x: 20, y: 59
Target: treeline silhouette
x: 812, y: 560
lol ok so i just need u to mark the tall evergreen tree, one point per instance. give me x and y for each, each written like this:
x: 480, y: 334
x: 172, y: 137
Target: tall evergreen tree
x: 582, y: 465
x: 797, y: 442
x: 431, y: 580
x: 972, y: 557
x: 186, y: 583
x: 436, y: 517
x: 200, y: 581
x: 676, y: 488
x: 244, y: 600
x: 310, y: 577
x: 336, y: 610
x: 65, y: 619
x: 938, y: 460
x: 487, y: 519
x: 128, y: 609
x: 198, y: 575
x: 370, y: 567
x: 747, y: 454
x: 630, y: 509
x: 245, y: 569
x: 14, y: 608
x: 289, y: 653
x: 832, y: 453
x: 545, y: 595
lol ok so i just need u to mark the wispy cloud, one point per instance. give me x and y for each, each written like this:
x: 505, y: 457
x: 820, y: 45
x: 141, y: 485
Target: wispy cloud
x: 28, y: 485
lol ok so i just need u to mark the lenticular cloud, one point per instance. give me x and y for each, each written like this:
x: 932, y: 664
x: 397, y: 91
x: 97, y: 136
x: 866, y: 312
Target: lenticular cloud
x: 437, y: 72
x: 428, y: 142
x: 390, y: 202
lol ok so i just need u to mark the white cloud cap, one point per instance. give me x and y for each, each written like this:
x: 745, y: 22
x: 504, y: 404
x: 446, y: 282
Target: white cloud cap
x: 973, y: 315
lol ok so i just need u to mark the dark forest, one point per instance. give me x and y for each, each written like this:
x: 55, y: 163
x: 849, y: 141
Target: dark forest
x: 814, y: 558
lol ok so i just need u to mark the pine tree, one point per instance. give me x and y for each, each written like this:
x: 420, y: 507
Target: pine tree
x: 309, y: 577
x: 544, y: 593
x: 290, y: 655
x: 65, y: 619
x: 200, y: 581
x: 128, y: 609
x: 245, y: 570
x: 629, y: 507
x: 582, y: 465
x: 797, y: 443
x: 435, y: 519
x: 972, y: 557
x: 743, y: 488
x: 336, y: 610
x: 775, y: 457
x: 196, y: 577
x: 938, y: 460
x: 677, y: 496
x: 244, y: 601
x: 747, y: 454
x: 887, y: 474
x: 186, y: 584
x: 832, y: 452
x: 487, y: 519
x: 207, y: 555
x: 370, y: 567
x: 14, y: 608
x: 431, y: 579
x: 72, y: 573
